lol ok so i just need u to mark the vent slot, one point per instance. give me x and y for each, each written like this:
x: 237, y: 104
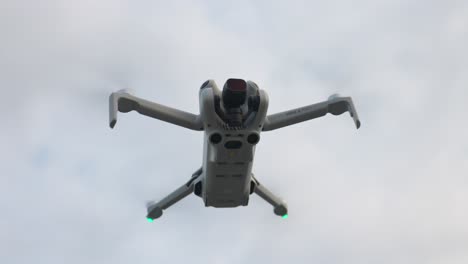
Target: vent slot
x: 233, y: 144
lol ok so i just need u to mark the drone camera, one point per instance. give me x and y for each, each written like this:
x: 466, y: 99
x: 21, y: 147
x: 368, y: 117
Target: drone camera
x: 234, y: 93
x: 236, y: 85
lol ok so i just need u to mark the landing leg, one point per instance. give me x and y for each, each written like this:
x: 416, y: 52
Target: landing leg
x: 280, y: 207
x: 155, y: 209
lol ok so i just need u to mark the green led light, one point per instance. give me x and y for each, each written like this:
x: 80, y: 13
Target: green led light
x: 149, y: 220
x: 285, y: 216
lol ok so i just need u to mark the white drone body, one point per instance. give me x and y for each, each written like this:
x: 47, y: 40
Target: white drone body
x: 232, y: 120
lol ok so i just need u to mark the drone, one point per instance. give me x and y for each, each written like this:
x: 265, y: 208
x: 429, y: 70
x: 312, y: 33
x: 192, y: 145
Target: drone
x: 232, y: 120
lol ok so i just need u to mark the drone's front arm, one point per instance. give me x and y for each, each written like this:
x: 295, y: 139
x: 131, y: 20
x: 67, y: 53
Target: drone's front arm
x: 335, y: 105
x: 125, y: 102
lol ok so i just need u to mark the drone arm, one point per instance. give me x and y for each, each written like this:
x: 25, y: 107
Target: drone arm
x: 155, y: 210
x: 279, y: 207
x: 335, y: 105
x: 125, y: 102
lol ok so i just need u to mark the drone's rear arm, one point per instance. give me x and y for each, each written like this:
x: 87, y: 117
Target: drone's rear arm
x: 125, y: 102
x: 335, y: 105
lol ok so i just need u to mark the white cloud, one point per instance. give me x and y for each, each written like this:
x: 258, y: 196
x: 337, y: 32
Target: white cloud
x: 392, y: 192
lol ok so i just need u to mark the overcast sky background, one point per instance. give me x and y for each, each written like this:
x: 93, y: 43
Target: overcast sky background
x: 73, y: 191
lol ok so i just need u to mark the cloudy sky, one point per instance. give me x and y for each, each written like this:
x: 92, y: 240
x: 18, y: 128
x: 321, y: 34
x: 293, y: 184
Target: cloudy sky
x: 73, y: 191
